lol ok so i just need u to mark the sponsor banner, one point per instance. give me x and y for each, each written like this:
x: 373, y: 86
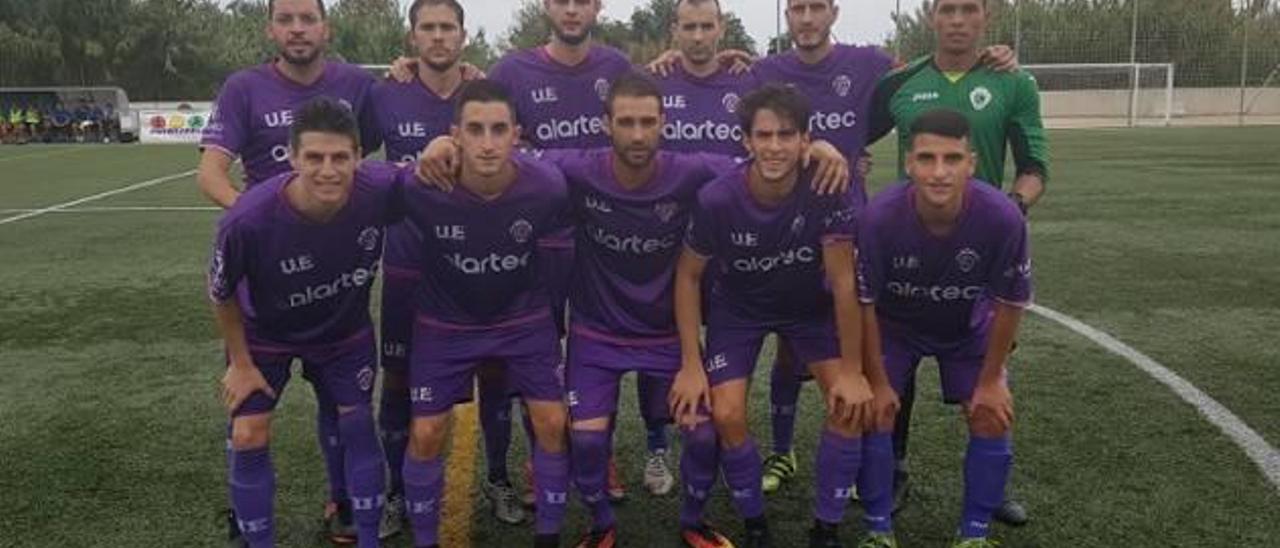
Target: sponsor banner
x: 172, y: 126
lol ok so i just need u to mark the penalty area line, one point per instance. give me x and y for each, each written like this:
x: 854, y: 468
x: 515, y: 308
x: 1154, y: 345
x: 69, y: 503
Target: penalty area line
x: 94, y: 197
x: 1254, y: 445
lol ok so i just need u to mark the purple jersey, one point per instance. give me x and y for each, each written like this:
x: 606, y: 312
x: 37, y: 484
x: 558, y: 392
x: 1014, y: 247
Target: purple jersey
x: 254, y: 110
x: 300, y: 282
x: 561, y: 106
x: 766, y: 260
x: 628, y: 240
x: 408, y: 116
x: 940, y: 288
x: 840, y: 87
x: 480, y: 258
x: 702, y: 113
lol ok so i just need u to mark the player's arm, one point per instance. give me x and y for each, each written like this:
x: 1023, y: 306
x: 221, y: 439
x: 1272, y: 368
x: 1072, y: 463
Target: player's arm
x: 226, y: 271
x: 690, y: 391
x: 851, y: 401
x: 992, y: 402
x: 214, y: 177
x: 832, y: 175
x: 882, y: 121
x: 885, y: 401
x: 1029, y: 143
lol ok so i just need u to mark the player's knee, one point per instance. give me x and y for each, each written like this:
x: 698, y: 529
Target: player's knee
x: 427, y: 436
x: 731, y: 424
x: 251, y: 432
x: 984, y: 424
x: 550, y: 422
x: 844, y: 426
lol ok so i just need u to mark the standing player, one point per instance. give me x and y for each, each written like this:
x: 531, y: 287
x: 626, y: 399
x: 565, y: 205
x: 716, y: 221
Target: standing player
x: 408, y: 115
x: 945, y: 273
x: 773, y: 246
x: 482, y: 298
x: 1003, y: 108
x: 290, y: 279
x: 559, y: 91
x: 251, y: 121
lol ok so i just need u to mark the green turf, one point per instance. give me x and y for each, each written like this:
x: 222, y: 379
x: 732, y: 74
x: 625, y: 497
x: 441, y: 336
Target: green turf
x: 1167, y: 239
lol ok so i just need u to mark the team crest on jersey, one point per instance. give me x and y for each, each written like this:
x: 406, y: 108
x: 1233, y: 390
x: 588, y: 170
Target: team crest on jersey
x: 980, y: 97
x: 602, y: 89
x: 731, y: 102
x: 666, y: 211
x: 521, y: 231
x: 967, y: 259
x: 842, y: 85
x: 797, y: 225
x: 346, y: 104
x: 369, y: 238
x: 365, y: 378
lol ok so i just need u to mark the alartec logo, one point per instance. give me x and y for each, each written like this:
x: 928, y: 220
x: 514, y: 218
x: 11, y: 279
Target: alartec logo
x: 355, y: 279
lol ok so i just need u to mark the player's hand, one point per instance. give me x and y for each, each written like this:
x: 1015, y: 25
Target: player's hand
x: 241, y: 381
x: 832, y: 175
x: 850, y: 399
x: 665, y: 63
x: 403, y: 70
x: 991, y: 407
x: 736, y: 60
x: 1000, y: 58
x: 864, y: 165
x: 471, y: 72
x: 440, y: 163
x: 690, y: 393
x: 884, y: 405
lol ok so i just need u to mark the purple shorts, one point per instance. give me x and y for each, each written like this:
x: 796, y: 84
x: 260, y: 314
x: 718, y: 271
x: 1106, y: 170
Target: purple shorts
x: 732, y: 349
x: 346, y: 372
x: 399, y: 281
x: 596, y: 367
x: 443, y: 362
x: 959, y: 364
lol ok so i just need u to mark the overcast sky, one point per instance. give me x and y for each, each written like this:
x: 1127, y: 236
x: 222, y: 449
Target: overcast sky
x: 861, y: 21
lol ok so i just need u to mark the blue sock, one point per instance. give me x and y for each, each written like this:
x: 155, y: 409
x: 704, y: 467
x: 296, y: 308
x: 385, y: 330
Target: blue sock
x: 330, y: 440
x: 838, y: 460
x: 423, y: 496
x: 784, y: 392
x: 590, y: 459
x: 495, y: 425
x: 986, y: 470
x: 875, y: 482
x: 655, y: 426
x: 365, y: 476
x: 551, y: 475
x: 742, y: 469
x: 393, y: 422
x: 698, y: 469
x: 253, y: 490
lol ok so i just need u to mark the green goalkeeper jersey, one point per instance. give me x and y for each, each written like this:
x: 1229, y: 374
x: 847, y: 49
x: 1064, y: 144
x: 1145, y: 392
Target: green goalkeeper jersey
x: 1003, y: 109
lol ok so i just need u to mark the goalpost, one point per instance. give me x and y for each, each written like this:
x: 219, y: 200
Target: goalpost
x: 1131, y: 94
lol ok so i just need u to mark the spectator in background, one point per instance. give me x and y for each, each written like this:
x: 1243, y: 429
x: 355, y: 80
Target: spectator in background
x: 17, y: 123
x: 32, y: 119
x: 61, y: 122
x: 110, y: 123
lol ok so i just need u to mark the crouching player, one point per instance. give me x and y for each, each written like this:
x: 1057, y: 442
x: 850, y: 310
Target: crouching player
x: 290, y: 276
x: 783, y: 262
x: 944, y: 272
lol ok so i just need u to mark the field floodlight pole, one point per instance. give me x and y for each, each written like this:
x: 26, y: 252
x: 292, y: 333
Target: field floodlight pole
x: 1133, y: 60
x: 1244, y: 63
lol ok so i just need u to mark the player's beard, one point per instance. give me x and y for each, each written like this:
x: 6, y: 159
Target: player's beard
x: 823, y: 39
x: 573, y: 40
x: 626, y: 154
x: 300, y: 60
x: 441, y: 67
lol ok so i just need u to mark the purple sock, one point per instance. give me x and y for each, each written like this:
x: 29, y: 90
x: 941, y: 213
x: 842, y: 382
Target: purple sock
x: 365, y: 475
x: 742, y: 471
x: 331, y: 445
x: 875, y: 482
x: 551, y: 475
x: 837, y: 468
x: 495, y: 424
x: 590, y: 457
x: 986, y: 470
x: 393, y: 422
x: 784, y: 392
x: 423, y: 495
x: 698, y: 461
x: 253, y: 491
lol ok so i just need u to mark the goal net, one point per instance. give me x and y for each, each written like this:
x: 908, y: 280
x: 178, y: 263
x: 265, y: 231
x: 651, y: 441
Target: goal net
x: 1106, y: 94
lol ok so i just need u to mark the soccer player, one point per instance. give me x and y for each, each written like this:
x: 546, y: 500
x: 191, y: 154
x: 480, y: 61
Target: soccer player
x: 775, y: 248
x: 290, y: 277
x: 251, y: 122
x: 559, y: 91
x: 482, y: 297
x: 945, y: 272
x: 407, y: 116
x: 254, y: 109
x: 1003, y: 109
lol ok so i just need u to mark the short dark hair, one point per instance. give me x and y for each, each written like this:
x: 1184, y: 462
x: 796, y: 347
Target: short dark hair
x: 696, y: 2
x: 783, y: 100
x: 324, y: 115
x: 942, y: 122
x: 271, y: 8
x: 934, y: 5
x: 452, y: 4
x: 483, y: 91
x: 632, y: 84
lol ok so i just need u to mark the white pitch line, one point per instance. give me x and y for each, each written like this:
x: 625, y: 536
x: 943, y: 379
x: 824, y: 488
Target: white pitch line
x: 98, y: 196
x: 117, y: 209
x: 1254, y: 445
